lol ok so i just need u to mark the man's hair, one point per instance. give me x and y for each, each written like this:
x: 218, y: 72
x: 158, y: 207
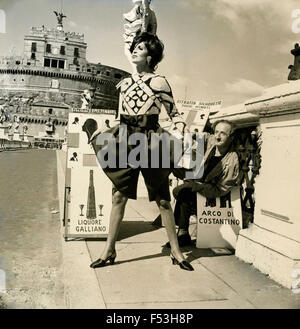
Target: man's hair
x: 232, y: 125
x: 154, y: 46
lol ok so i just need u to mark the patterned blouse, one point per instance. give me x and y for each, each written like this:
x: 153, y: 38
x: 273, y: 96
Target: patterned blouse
x: 145, y: 95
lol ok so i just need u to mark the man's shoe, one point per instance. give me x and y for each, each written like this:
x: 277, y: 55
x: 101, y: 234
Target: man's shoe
x: 183, y: 240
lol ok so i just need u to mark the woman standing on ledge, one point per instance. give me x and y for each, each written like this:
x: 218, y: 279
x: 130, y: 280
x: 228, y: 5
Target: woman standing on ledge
x: 141, y: 98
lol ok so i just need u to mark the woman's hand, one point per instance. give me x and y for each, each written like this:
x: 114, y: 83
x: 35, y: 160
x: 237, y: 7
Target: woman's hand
x: 181, y: 126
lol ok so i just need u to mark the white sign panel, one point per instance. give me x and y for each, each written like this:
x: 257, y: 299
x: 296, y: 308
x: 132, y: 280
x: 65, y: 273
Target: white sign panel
x: 219, y: 223
x: 90, y: 193
x: 90, y: 202
x: 195, y: 113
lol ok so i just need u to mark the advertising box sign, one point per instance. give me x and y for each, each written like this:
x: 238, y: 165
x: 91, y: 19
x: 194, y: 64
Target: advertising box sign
x: 219, y: 221
x: 89, y: 191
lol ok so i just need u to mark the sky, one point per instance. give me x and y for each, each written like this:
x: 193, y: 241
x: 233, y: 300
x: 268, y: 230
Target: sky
x: 229, y: 50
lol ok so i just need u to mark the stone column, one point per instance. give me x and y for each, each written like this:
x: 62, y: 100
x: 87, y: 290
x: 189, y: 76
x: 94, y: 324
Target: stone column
x: 272, y: 242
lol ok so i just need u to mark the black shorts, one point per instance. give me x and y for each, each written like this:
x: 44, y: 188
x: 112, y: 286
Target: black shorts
x: 125, y: 179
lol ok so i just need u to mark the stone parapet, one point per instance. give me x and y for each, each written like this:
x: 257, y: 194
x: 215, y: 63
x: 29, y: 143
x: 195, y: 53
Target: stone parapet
x: 282, y: 99
x: 237, y: 114
x: 272, y: 243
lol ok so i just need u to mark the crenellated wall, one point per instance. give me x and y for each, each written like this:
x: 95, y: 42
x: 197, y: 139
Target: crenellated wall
x: 65, y: 86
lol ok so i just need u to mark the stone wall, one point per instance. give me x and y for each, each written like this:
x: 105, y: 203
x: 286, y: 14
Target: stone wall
x: 56, y: 88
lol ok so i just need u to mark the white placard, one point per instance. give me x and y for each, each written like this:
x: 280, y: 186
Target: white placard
x: 218, y: 227
x: 83, y: 220
x: 195, y: 113
x: 90, y: 196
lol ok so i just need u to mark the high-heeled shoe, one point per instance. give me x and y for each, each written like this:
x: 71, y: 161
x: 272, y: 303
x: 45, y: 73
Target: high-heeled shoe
x: 183, y: 264
x: 102, y: 262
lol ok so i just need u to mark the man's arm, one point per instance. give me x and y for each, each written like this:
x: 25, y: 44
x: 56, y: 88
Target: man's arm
x: 224, y: 184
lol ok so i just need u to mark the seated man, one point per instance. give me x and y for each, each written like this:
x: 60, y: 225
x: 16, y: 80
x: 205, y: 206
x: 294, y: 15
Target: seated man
x: 221, y: 172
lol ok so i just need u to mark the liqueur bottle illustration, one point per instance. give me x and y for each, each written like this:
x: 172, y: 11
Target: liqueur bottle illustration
x: 91, y: 202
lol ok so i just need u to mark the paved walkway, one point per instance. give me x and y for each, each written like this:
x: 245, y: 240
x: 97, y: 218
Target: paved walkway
x: 144, y: 277
x: 30, y: 239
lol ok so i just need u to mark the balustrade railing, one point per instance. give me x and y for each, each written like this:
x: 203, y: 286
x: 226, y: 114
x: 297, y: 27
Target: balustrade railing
x: 248, y: 145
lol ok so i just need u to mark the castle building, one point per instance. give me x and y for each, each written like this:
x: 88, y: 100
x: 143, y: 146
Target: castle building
x: 48, y: 80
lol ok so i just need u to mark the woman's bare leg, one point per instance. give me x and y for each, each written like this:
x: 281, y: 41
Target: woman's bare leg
x: 168, y: 221
x: 116, y: 216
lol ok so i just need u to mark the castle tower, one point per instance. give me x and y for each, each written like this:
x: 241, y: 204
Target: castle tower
x: 56, y: 49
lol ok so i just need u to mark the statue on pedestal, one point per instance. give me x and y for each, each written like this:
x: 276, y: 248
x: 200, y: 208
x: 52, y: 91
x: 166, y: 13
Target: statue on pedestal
x: 16, y: 124
x: 87, y: 99
x: 49, y: 127
x: 2, y: 116
x: 25, y: 129
x: 140, y: 19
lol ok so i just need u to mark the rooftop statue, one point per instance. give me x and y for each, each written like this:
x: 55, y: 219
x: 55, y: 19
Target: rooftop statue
x: 60, y: 17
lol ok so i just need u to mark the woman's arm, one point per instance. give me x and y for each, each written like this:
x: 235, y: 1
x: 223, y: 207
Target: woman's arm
x: 166, y: 97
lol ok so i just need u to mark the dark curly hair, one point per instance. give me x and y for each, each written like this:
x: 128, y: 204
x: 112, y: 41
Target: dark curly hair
x: 154, y: 46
